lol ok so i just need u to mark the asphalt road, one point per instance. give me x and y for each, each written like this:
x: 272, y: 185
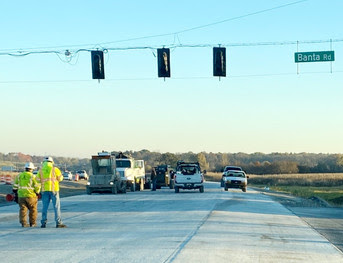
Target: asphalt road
x: 215, y: 226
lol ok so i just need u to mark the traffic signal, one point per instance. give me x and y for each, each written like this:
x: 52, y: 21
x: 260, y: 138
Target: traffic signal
x: 163, y: 62
x: 98, y: 69
x: 219, y: 61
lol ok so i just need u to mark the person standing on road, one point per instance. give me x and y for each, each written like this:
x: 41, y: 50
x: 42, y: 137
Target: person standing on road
x: 27, y: 189
x: 153, y: 178
x: 49, y: 176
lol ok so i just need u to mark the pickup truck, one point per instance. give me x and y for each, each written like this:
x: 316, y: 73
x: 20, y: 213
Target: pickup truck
x: 229, y: 168
x: 188, y: 176
x: 235, y: 179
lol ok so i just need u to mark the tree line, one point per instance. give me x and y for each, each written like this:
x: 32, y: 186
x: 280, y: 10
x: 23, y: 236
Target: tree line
x: 255, y: 163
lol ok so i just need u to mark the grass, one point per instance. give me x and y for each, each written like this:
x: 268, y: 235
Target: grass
x: 326, y: 186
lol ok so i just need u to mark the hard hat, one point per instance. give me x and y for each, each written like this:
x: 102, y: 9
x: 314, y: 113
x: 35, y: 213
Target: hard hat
x: 29, y: 166
x: 48, y: 159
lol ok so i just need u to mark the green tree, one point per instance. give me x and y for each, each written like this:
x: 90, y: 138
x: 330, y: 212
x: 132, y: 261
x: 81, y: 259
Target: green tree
x: 201, y: 158
x: 168, y: 158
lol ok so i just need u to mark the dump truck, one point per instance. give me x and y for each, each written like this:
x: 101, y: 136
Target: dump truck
x: 133, y: 170
x: 105, y: 176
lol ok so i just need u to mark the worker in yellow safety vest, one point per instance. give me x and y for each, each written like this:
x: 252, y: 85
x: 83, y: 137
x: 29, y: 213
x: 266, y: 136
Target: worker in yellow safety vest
x: 49, y: 176
x: 27, y: 189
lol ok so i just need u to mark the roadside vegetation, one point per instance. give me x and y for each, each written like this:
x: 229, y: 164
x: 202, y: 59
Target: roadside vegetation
x: 301, y: 174
x: 327, y: 186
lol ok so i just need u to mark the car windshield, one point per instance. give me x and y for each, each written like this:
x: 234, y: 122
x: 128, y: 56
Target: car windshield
x: 236, y: 174
x: 188, y: 170
x: 232, y: 168
x: 123, y: 164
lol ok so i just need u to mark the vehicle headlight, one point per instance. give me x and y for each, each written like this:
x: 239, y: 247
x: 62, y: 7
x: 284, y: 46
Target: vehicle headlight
x: 111, y: 183
x: 88, y: 183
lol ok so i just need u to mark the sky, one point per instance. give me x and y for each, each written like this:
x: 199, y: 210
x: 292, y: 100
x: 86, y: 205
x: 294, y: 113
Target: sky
x: 267, y: 103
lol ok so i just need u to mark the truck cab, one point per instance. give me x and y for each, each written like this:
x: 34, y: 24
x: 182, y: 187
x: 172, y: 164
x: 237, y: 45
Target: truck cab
x: 104, y: 175
x: 188, y: 176
x: 133, y: 170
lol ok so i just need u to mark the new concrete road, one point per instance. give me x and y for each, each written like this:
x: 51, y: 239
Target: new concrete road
x: 215, y: 226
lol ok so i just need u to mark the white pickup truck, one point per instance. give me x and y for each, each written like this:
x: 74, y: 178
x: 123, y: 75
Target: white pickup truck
x: 188, y: 176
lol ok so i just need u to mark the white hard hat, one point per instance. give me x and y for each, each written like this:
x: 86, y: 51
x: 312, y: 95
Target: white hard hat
x: 29, y: 166
x: 48, y: 159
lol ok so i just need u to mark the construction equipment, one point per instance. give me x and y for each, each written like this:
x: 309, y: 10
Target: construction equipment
x: 105, y: 176
x: 133, y: 170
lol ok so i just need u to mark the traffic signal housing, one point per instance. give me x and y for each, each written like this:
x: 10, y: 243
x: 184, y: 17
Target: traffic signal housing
x: 98, y: 70
x: 163, y: 62
x: 219, y: 61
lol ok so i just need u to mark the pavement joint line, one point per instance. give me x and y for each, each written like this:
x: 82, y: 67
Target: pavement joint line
x: 177, y: 251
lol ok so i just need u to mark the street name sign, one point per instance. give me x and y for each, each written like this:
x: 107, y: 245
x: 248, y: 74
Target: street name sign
x: 315, y: 56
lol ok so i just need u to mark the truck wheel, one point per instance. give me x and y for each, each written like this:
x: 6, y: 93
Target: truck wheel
x: 201, y: 189
x: 147, y: 185
x: 225, y: 188
x: 171, y: 185
x: 89, y: 190
x: 114, y: 189
x: 244, y: 189
x: 176, y: 189
x: 133, y: 187
x: 123, y: 187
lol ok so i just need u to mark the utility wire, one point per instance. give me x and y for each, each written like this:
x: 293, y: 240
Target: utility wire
x: 176, y: 33
x: 239, y: 17
x: 206, y: 25
x: 21, y: 53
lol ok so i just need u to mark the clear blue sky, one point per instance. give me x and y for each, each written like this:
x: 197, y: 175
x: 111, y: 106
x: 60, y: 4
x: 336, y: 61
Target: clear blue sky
x: 49, y: 106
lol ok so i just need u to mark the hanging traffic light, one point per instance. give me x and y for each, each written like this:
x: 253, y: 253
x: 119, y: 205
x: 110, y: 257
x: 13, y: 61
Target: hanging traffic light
x: 98, y: 69
x: 163, y: 62
x: 219, y: 61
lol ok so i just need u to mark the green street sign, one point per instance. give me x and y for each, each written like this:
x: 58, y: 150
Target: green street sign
x: 315, y: 56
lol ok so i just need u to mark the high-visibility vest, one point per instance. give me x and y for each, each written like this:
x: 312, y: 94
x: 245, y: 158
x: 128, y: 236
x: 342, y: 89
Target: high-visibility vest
x: 26, y: 184
x: 49, y: 177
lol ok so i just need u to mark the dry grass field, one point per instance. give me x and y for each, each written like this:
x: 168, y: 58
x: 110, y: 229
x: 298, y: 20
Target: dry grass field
x: 326, y: 186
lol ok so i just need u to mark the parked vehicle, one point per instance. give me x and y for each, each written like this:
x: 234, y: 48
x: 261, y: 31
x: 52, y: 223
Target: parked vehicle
x: 164, y: 176
x: 235, y: 179
x: 82, y: 174
x: 229, y: 168
x: 67, y: 175
x: 133, y: 170
x: 188, y: 176
x: 104, y: 175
